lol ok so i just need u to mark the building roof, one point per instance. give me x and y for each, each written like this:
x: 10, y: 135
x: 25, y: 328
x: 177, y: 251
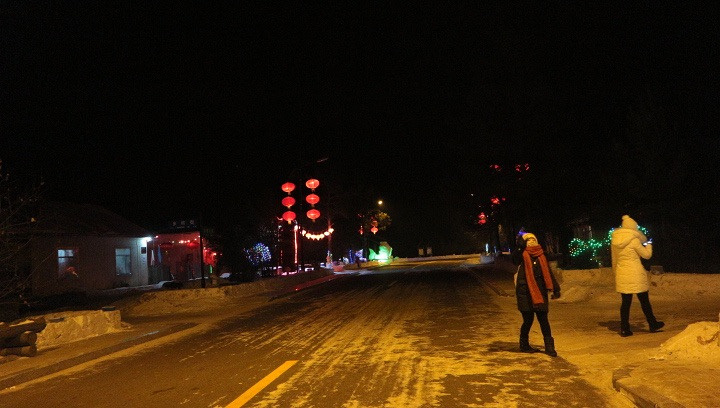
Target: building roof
x: 65, y: 218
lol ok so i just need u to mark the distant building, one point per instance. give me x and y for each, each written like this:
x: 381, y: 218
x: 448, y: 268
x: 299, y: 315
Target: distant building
x: 180, y: 253
x: 83, y: 247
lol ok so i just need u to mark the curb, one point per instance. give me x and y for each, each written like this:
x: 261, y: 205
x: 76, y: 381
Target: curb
x: 31, y: 374
x: 639, y: 395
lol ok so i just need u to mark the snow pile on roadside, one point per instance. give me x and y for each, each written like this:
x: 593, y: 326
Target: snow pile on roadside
x: 686, y: 284
x: 65, y: 327
x: 579, y: 285
x: 698, y: 342
x: 189, y: 301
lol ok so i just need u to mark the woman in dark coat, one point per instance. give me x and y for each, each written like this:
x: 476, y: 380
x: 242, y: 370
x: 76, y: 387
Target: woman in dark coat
x: 534, y: 280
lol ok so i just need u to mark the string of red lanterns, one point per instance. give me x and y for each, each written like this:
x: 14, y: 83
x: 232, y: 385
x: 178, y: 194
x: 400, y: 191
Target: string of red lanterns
x: 288, y: 202
x: 311, y: 199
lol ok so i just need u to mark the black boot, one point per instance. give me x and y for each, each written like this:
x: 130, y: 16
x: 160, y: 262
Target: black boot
x: 550, y: 347
x: 625, y: 327
x: 655, y: 326
x: 525, y: 346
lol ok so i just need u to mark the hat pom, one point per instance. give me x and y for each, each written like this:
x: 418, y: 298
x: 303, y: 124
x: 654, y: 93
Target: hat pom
x: 628, y: 222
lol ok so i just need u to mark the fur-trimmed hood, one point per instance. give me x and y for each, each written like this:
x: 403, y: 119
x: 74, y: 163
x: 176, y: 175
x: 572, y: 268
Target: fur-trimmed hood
x: 621, y: 237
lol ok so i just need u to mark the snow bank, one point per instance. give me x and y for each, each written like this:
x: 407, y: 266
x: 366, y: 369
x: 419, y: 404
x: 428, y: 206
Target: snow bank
x: 66, y: 327
x: 698, y: 342
x: 189, y: 301
x: 579, y: 285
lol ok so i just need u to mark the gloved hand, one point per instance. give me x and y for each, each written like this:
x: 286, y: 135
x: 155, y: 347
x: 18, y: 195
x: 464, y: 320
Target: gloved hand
x: 555, y: 294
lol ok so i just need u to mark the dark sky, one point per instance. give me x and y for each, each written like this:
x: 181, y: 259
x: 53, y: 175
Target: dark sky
x: 162, y: 110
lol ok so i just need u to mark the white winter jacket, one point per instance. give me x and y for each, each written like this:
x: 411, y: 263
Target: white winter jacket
x: 626, y: 248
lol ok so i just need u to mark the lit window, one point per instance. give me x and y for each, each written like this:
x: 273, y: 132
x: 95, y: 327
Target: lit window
x: 122, y: 262
x: 67, y: 262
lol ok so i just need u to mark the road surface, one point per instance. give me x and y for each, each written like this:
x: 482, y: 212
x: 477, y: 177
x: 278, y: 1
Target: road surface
x: 420, y: 334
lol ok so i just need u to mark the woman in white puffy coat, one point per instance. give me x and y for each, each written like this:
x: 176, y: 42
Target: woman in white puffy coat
x: 627, y: 245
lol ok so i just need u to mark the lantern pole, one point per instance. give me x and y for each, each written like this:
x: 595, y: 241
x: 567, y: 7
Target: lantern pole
x: 301, y: 175
x: 202, y: 258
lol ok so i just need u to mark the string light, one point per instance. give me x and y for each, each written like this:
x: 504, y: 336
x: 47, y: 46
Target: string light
x: 317, y: 237
x: 578, y: 246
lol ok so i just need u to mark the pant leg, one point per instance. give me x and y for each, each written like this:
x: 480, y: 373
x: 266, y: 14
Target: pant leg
x: 542, y: 318
x: 644, y: 298
x: 625, y: 311
x: 528, y: 318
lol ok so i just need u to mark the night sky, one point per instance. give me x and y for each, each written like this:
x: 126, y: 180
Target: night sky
x: 170, y: 110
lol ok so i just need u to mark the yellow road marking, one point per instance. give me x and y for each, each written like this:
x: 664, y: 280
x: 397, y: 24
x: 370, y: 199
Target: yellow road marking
x: 252, y: 391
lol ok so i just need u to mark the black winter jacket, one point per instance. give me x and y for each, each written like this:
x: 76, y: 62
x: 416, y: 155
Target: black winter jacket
x: 522, y: 291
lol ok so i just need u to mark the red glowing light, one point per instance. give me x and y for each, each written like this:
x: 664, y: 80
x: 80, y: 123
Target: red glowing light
x: 312, y: 199
x: 312, y: 184
x: 288, y: 201
x: 374, y: 230
x: 313, y: 214
x: 193, y: 244
x: 288, y: 216
x: 288, y: 187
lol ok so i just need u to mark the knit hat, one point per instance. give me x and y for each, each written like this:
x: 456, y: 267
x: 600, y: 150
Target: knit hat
x: 628, y: 222
x: 529, y: 235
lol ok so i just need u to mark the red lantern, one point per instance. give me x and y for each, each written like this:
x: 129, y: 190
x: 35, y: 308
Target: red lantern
x: 288, y: 201
x: 312, y: 199
x: 374, y: 230
x: 482, y: 218
x: 312, y: 184
x: 288, y: 187
x: 193, y: 244
x: 288, y: 216
x: 313, y: 214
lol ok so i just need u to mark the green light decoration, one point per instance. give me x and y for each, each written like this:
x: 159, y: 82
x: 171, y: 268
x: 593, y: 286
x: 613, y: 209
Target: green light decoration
x: 578, y: 247
x: 383, y: 254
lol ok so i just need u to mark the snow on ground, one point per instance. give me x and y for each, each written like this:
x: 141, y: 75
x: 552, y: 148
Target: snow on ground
x: 698, y: 341
x: 202, y: 300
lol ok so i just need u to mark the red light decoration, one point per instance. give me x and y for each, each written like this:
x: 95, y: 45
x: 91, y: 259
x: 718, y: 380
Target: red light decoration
x: 313, y: 214
x: 374, y: 230
x: 288, y: 201
x: 288, y: 216
x: 312, y: 199
x: 193, y: 244
x: 482, y: 218
x: 312, y: 184
x: 288, y: 187
x: 495, y: 200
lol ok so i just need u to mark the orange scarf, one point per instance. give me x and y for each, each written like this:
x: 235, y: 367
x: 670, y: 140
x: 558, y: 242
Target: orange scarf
x: 536, y: 252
